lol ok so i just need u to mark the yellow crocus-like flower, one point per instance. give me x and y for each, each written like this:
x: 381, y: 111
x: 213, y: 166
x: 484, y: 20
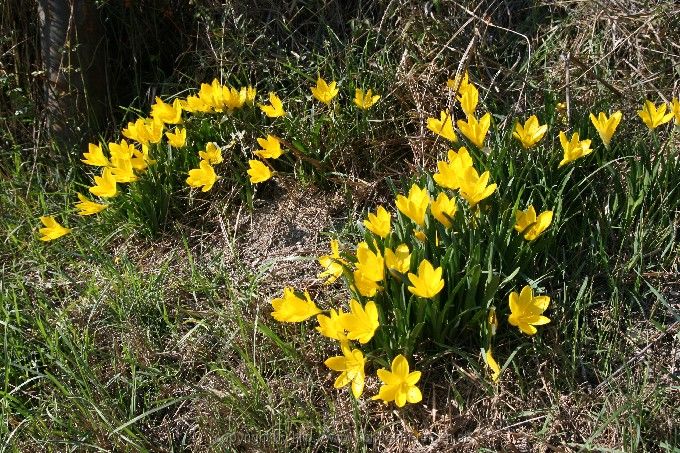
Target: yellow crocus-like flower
x: 364, y: 285
x: 196, y: 104
x: 212, y: 153
x: 88, y: 207
x: 458, y: 83
x: 469, y: 98
x: 275, y: 108
x: 475, y: 130
x: 95, y: 156
x: 211, y: 95
x: 332, y: 264
x: 122, y: 170
x: 361, y: 322
x: 251, y: 93
x: 233, y: 99
x: 351, y: 365
x: 258, y: 171
x: 53, y: 230
x: 531, y: 133
x: 324, y: 92
x: 370, y: 264
x: 654, y: 117
x: 398, y: 260
x: 121, y: 150
x: 443, y: 209
x: 167, y: 113
x: 442, y: 126
x: 606, y: 126
x: 379, y: 223
x: 105, y: 185
x: 204, y: 176
x: 531, y: 225
x: 177, y: 138
x: 574, y: 148
x: 271, y: 147
x: 365, y: 100
x: 527, y: 310
x: 331, y: 327
x: 451, y: 172
x: 428, y: 282
x: 398, y: 384
x: 292, y: 308
x: 474, y: 187
x: 144, y: 130
x: 491, y: 362
x: 675, y: 107
x: 140, y: 159
x: 415, y: 205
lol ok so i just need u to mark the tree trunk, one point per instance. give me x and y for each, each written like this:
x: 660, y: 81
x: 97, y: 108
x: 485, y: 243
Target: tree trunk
x: 73, y: 52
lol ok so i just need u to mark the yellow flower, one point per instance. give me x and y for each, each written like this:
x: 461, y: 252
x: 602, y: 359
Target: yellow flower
x: 196, y: 104
x: 121, y: 150
x: 361, y: 322
x: 324, y: 92
x: 271, y: 147
x: 88, y: 207
x: 364, y: 285
x: 52, y: 229
x: 203, y: 176
x: 166, y: 113
x: 420, y: 235
x: 351, y: 364
x: 379, y: 223
x: 530, y: 225
x: 491, y: 362
x: 95, y: 156
x: 442, y: 126
x: 275, y: 109
x: 105, y: 185
x: 233, y: 99
x: 428, y: 283
x: 652, y: 117
x: 415, y: 205
x: 250, y: 95
x: 211, y: 94
x: 527, y: 310
x: 574, y: 148
x: 365, y: 101
x: 606, y: 126
x: 399, y: 385
x: 469, y: 98
x: 140, y: 159
x: 122, y: 170
x: 443, y: 209
x: 178, y: 138
x: 332, y: 264
x: 292, y: 308
x: 451, y: 173
x: 370, y: 264
x: 675, y: 107
x: 475, y: 130
x: 212, y: 153
x: 473, y: 187
x: 531, y: 133
x: 258, y: 171
x: 399, y: 260
x: 458, y: 83
x: 144, y: 130
x: 331, y: 327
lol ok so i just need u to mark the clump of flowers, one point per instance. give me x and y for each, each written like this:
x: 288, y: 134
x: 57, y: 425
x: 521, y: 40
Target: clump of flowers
x: 441, y: 265
x: 181, y: 144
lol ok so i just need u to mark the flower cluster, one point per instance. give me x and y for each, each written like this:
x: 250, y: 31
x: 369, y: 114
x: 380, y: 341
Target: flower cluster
x: 169, y: 127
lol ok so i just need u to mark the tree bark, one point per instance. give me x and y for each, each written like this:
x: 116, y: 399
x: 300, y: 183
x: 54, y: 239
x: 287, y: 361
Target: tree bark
x: 73, y: 54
